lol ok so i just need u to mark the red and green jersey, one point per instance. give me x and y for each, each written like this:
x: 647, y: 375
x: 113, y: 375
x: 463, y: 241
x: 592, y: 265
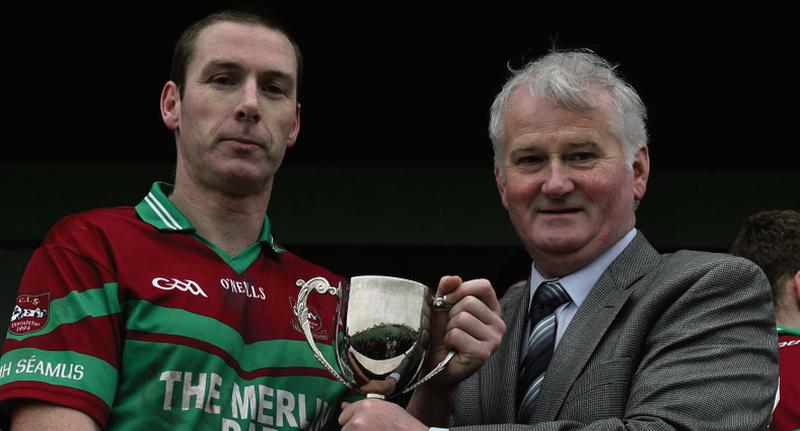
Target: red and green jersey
x: 131, y: 317
x: 786, y: 416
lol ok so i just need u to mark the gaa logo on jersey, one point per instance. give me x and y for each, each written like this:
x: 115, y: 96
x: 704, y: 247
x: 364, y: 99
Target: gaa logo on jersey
x: 30, y: 314
x: 187, y: 285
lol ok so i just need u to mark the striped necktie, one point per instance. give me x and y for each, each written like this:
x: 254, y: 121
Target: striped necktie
x: 549, y: 296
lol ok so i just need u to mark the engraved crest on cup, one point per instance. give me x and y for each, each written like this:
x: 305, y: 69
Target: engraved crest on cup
x: 381, y: 332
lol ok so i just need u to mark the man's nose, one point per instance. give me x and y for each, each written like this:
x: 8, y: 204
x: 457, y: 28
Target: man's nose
x: 248, y: 109
x: 558, y: 182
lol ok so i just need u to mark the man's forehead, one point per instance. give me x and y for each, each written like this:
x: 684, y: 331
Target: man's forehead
x: 248, y: 45
x: 566, y: 138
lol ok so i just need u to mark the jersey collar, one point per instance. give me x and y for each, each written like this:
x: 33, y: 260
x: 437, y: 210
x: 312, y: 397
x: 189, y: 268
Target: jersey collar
x: 783, y: 330
x: 158, y: 211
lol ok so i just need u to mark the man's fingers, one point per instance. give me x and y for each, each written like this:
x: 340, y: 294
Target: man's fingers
x: 457, y: 290
x: 487, y: 327
x: 474, y: 306
x: 346, y: 415
x: 447, y: 284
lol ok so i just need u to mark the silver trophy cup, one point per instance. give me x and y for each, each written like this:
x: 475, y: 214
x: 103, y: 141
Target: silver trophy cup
x: 381, y: 335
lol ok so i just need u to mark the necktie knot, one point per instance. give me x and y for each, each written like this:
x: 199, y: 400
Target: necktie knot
x: 549, y: 296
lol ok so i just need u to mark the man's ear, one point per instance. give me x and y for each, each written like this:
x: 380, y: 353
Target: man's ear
x: 500, y: 179
x: 795, y: 281
x: 171, y: 106
x: 641, y: 172
x: 295, y: 129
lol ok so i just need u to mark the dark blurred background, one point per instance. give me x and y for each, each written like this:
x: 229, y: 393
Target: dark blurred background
x: 392, y: 173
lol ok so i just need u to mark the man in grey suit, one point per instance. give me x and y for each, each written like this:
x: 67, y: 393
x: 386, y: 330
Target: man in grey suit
x: 638, y: 340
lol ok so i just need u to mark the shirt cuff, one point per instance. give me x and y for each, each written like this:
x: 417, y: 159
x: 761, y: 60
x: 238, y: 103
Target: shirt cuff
x: 437, y: 429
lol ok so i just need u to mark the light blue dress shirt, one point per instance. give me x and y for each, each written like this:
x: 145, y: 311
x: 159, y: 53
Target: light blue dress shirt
x: 578, y: 285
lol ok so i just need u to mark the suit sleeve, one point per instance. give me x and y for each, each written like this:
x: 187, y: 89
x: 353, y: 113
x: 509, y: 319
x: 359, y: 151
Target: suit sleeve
x: 710, y: 361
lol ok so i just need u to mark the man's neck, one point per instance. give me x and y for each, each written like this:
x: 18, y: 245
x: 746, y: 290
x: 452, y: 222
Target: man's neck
x: 231, y: 223
x: 787, y: 320
x: 787, y: 304
x: 551, y: 266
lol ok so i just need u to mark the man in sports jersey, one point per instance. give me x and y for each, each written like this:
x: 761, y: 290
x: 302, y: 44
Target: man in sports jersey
x: 771, y: 239
x: 176, y: 313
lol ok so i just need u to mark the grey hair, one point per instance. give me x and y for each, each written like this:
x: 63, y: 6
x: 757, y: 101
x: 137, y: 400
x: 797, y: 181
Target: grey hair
x: 576, y: 80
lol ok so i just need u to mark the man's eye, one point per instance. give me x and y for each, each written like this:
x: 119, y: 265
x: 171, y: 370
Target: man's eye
x: 273, y: 89
x: 530, y: 160
x: 222, y: 80
x: 583, y: 156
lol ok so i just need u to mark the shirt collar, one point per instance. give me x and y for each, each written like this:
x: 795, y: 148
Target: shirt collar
x: 783, y: 330
x: 157, y: 210
x: 579, y: 283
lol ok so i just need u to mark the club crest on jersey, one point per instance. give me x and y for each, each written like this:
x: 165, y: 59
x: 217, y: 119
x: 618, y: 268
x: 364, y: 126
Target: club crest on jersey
x: 315, y: 323
x: 31, y: 313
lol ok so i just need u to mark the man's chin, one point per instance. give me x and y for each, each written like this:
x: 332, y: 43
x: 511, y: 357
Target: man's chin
x: 559, y: 243
x: 243, y: 181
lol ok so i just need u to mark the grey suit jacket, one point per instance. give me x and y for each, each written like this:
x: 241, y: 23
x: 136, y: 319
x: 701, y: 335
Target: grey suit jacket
x: 682, y: 341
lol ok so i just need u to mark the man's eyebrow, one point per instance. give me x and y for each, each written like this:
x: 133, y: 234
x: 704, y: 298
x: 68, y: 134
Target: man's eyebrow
x: 220, y: 65
x: 277, y: 74
x: 232, y: 65
x: 582, y: 142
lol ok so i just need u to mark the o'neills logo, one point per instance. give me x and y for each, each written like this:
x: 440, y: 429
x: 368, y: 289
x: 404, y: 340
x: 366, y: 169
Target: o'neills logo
x: 243, y: 288
x: 30, y: 314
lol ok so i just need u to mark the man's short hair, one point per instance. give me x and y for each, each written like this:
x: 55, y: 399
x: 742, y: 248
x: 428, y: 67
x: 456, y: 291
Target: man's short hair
x: 185, y: 46
x: 574, y: 79
x: 771, y: 239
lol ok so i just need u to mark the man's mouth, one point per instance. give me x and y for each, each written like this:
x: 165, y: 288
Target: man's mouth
x: 560, y: 211
x: 242, y: 140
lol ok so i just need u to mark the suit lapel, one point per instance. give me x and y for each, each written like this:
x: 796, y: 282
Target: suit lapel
x: 498, y: 379
x: 590, y: 324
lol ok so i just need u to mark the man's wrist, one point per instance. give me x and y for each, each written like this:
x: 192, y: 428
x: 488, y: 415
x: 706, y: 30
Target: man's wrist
x: 431, y: 407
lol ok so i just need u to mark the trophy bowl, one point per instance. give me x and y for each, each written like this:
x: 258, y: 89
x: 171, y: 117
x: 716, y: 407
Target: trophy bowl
x: 381, y: 332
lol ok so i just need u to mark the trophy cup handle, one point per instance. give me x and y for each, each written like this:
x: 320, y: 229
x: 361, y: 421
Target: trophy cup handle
x: 433, y: 372
x: 321, y: 285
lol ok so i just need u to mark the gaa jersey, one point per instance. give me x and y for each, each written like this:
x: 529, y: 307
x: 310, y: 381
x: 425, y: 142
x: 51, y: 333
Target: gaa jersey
x: 129, y: 316
x: 786, y: 416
